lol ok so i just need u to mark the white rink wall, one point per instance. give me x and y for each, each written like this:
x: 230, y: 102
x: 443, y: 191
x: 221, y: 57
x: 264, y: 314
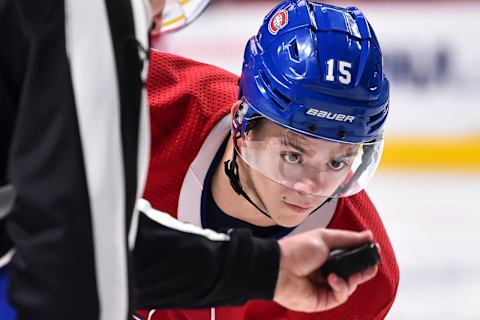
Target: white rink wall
x: 429, y: 180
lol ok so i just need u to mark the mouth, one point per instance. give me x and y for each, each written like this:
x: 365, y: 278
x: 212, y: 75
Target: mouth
x: 297, y: 208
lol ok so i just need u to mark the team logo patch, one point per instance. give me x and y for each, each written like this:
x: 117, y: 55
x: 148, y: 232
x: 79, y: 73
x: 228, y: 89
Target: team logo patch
x: 278, y: 21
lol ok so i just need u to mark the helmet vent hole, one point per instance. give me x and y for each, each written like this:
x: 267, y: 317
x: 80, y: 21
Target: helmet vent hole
x: 264, y: 77
x: 376, y: 121
x: 375, y: 127
x: 375, y: 117
x: 293, y: 49
x: 278, y: 105
x: 280, y: 95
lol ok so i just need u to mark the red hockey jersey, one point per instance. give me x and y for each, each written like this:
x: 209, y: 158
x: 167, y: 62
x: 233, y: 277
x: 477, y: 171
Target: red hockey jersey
x: 190, y: 102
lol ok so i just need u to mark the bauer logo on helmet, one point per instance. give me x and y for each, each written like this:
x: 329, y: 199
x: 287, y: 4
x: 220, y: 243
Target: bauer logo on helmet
x: 330, y: 115
x: 278, y: 21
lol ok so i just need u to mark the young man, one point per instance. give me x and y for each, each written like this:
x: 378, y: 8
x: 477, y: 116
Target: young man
x: 74, y: 144
x: 293, y: 152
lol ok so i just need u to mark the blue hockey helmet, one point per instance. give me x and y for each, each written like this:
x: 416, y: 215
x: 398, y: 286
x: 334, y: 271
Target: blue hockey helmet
x: 317, y: 71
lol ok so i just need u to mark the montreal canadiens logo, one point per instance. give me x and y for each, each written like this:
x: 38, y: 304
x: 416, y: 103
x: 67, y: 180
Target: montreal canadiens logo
x: 278, y: 21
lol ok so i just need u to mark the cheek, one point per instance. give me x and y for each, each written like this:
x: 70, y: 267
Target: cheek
x: 319, y: 201
x: 269, y: 191
x: 332, y: 182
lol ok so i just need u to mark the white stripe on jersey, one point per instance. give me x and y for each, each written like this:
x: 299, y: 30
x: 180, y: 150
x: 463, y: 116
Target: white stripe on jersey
x: 168, y: 221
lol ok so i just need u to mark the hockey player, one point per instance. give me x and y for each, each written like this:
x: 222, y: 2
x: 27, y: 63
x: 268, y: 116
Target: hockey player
x: 73, y: 145
x: 293, y: 152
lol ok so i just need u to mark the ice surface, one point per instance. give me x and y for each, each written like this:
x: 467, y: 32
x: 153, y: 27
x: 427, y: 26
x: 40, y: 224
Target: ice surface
x: 433, y: 220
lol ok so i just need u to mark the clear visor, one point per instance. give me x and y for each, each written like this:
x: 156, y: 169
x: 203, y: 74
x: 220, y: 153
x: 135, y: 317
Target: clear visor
x: 309, y: 165
x: 179, y: 13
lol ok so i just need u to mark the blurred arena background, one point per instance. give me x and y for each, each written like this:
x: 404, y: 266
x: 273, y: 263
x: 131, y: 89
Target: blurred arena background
x: 428, y: 184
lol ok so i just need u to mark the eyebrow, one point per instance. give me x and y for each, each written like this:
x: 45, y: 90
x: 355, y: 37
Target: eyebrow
x: 287, y: 142
x: 346, y: 155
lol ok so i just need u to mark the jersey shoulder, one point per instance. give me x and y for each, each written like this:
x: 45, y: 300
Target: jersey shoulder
x: 181, y: 83
x: 186, y: 100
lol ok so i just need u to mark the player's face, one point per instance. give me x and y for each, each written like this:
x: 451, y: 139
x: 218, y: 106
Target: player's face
x: 291, y: 175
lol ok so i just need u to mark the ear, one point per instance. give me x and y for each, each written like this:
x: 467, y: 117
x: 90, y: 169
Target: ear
x: 234, y: 108
x: 236, y: 119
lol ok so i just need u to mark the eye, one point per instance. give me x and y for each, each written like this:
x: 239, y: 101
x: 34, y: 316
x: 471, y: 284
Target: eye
x: 292, y: 157
x: 337, y: 165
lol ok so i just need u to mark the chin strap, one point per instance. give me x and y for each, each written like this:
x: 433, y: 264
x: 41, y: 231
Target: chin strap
x: 324, y: 203
x: 231, y: 170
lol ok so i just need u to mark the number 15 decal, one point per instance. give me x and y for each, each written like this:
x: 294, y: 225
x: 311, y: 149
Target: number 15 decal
x: 344, y: 77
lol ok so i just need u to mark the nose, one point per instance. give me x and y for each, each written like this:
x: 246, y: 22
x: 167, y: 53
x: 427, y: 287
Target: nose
x: 308, y: 186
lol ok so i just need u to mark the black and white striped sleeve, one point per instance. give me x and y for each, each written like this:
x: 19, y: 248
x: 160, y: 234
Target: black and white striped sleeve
x: 73, y: 100
x: 74, y: 149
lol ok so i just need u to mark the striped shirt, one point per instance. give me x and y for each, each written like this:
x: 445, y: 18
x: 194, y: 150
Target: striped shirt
x: 74, y: 150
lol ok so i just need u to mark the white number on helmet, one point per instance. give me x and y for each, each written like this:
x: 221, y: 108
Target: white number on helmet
x: 344, y: 67
x: 345, y: 76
